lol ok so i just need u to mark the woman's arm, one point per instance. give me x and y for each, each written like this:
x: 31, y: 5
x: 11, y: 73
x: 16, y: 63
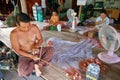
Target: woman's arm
x: 98, y: 21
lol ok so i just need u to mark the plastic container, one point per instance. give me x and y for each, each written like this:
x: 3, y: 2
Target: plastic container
x: 52, y: 28
x: 59, y: 28
x: 37, y: 12
x: 93, y: 71
x: 34, y: 8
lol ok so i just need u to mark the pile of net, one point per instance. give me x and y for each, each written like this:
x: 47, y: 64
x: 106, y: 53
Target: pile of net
x: 68, y: 55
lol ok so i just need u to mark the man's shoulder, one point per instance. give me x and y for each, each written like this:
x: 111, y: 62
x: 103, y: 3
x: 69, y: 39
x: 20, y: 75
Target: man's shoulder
x: 34, y: 26
x: 14, y: 31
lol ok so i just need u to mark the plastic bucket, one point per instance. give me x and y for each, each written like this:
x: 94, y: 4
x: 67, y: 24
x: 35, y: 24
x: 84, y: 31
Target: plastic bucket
x: 52, y: 28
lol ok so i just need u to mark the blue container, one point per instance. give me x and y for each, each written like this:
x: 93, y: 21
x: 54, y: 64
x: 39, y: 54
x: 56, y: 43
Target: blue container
x: 39, y: 14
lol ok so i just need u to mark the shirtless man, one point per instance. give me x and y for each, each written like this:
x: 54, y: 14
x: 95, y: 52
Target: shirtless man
x: 26, y: 40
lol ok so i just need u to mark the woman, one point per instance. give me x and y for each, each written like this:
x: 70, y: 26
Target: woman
x: 54, y: 20
x: 102, y: 20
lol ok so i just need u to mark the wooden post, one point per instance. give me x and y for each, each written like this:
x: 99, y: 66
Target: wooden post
x: 80, y: 10
x: 23, y: 6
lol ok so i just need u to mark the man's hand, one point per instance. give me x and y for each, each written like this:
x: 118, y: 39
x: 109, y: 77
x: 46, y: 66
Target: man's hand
x: 35, y: 58
x: 35, y: 51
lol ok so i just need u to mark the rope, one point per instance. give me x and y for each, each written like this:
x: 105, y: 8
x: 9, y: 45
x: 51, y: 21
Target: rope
x: 40, y: 51
x: 57, y: 69
x: 54, y: 67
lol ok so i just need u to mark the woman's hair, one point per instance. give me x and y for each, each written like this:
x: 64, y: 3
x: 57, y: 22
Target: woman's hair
x: 103, y: 11
x: 22, y: 17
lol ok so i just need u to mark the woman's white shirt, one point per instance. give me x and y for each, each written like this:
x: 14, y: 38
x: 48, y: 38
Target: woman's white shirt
x: 104, y: 23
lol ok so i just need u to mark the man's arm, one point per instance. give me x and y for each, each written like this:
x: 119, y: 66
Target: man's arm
x: 39, y: 38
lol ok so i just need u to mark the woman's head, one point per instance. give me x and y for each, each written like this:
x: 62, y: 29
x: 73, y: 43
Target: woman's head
x: 103, y: 14
x: 54, y: 13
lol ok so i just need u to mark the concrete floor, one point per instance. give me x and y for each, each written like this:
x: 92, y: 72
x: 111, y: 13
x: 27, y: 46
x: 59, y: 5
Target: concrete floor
x: 113, y: 72
x: 12, y: 75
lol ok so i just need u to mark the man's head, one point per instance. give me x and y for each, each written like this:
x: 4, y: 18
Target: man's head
x: 23, y: 20
x: 22, y: 17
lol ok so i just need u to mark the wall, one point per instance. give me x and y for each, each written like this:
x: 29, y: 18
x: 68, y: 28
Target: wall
x: 117, y: 4
x: 68, y: 4
x: 108, y: 4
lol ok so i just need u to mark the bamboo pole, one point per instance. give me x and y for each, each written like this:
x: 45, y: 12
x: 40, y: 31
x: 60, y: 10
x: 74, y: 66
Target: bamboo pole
x: 80, y: 10
x: 23, y: 6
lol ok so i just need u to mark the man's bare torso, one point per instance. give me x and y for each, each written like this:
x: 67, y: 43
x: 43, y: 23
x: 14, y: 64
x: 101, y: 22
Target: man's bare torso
x: 26, y: 39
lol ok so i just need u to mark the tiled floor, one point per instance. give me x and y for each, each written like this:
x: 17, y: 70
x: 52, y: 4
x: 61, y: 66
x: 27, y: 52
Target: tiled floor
x: 12, y: 75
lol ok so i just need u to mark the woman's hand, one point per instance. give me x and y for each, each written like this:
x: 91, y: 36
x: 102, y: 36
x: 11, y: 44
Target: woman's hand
x: 99, y: 22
